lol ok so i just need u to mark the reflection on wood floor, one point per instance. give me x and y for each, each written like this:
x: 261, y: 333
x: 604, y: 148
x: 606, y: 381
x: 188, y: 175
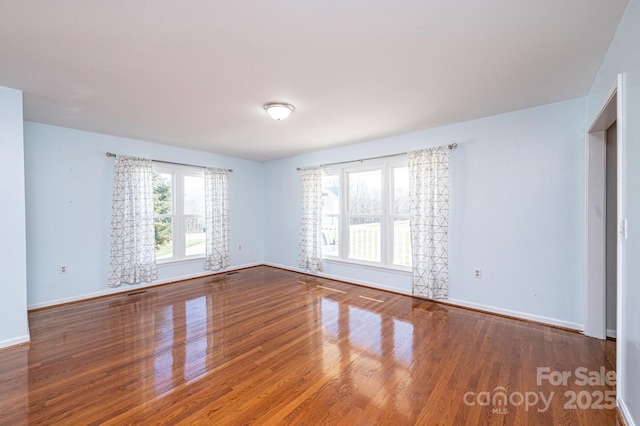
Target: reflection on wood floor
x: 267, y: 346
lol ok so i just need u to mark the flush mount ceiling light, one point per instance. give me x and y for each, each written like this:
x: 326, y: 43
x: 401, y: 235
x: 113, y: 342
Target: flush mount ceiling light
x: 279, y: 110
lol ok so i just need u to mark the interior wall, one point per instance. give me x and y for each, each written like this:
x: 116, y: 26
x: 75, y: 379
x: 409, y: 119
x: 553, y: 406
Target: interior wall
x: 14, y: 327
x: 69, y: 182
x: 623, y: 57
x: 516, y: 211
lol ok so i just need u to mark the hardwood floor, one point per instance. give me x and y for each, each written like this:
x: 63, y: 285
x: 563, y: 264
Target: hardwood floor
x: 267, y: 346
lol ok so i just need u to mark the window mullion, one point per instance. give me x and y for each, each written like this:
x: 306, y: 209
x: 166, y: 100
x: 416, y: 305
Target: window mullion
x: 386, y: 217
x: 384, y: 220
x: 178, y: 240
x: 182, y: 181
x: 344, y: 217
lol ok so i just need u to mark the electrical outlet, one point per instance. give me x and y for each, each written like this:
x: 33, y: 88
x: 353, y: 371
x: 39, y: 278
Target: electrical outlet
x: 63, y: 269
x: 477, y: 273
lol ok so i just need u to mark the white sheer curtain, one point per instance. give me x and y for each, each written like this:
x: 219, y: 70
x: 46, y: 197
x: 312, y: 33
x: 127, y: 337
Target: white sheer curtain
x: 429, y: 221
x: 133, y: 257
x: 310, y: 248
x: 216, y: 195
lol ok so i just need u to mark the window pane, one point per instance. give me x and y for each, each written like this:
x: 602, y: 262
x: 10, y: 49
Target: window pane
x: 194, y: 235
x: 330, y: 236
x: 164, y: 238
x: 365, y: 193
x: 330, y: 194
x: 364, y: 238
x: 401, y: 242
x: 401, y: 190
x: 194, y: 195
x: 162, y: 193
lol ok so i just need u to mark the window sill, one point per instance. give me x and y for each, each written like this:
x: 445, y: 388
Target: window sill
x: 387, y: 269
x: 163, y: 263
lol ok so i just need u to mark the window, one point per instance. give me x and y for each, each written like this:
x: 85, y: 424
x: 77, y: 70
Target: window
x: 330, y: 215
x: 179, y: 212
x: 365, y: 214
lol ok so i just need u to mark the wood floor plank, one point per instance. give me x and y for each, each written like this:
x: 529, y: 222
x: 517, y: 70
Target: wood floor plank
x: 268, y: 346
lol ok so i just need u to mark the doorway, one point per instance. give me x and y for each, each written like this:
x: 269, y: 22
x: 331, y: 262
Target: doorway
x: 603, y: 219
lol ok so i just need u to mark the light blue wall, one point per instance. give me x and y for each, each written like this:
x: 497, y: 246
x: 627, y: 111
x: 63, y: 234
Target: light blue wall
x: 69, y: 185
x: 14, y: 327
x: 623, y: 56
x: 516, y: 210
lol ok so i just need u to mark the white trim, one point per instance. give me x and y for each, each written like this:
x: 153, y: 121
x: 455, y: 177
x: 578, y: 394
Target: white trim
x: 453, y: 302
x: 621, y: 266
x: 385, y: 166
x: 338, y: 278
x: 178, y: 174
x: 595, y: 235
x: 387, y: 269
x: 515, y: 314
x: 169, y: 263
x: 367, y: 284
x: 124, y: 289
x: 605, y: 117
x: 15, y: 341
x: 593, y: 290
x: 595, y: 221
x: 624, y: 411
x: 611, y: 333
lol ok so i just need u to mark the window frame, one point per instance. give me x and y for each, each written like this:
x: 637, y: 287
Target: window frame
x: 387, y: 216
x: 178, y: 173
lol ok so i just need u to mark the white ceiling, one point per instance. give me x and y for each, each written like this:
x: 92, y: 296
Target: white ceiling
x: 196, y: 73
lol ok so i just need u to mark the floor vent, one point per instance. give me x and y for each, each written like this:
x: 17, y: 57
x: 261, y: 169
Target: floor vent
x: 136, y: 292
x: 233, y: 273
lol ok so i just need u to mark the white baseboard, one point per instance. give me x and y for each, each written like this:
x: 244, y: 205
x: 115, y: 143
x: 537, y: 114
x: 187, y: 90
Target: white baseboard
x: 366, y: 284
x: 624, y: 411
x: 126, y: 288
x: 15, y: 341
x: 338, y: 278
x: 611, y: 333
x: 454, y: 302
x: 285, y: 267
x: 516, y: 314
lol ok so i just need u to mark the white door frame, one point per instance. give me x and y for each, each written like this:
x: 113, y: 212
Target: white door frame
x: 595, y: 322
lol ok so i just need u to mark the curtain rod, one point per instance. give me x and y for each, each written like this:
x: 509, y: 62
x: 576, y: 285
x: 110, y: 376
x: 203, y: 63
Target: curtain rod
x: 451, y: 146
x: 109, y: 154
